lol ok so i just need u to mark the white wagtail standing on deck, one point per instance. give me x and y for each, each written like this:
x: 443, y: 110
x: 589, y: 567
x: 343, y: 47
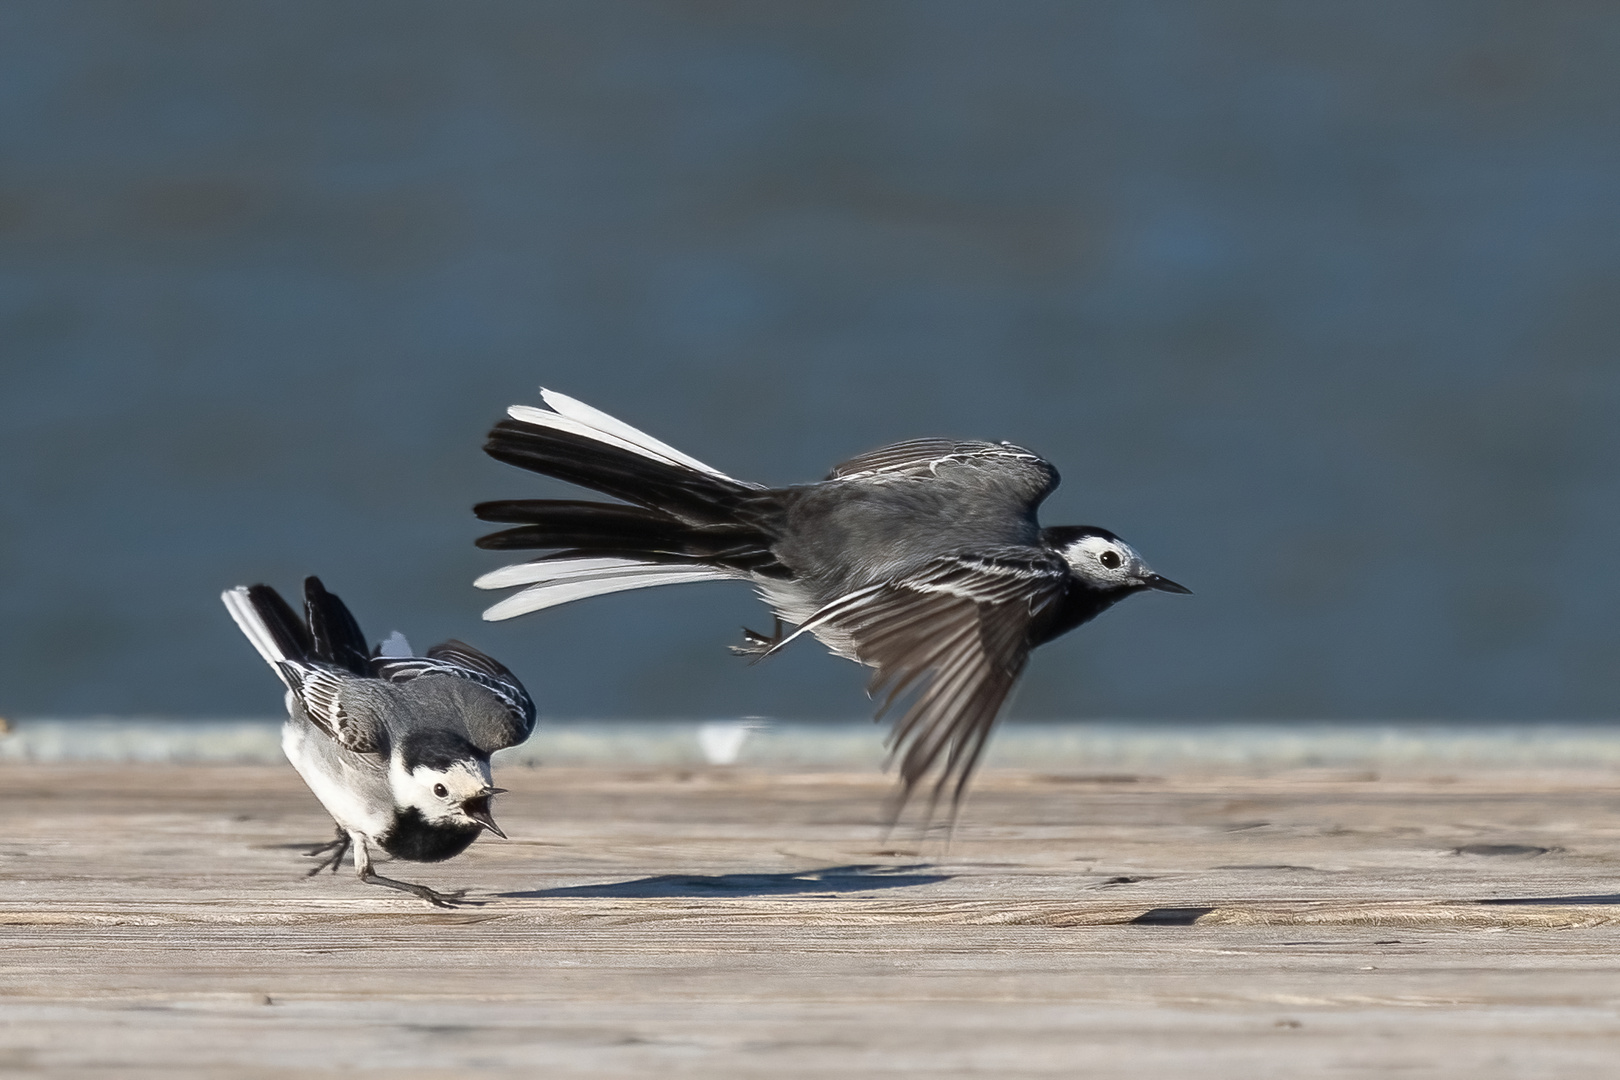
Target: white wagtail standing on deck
x: 923, y: 560
x: 395, y: 746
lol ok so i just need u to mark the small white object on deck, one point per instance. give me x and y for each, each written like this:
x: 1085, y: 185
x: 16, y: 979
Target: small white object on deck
x: 722, y: 740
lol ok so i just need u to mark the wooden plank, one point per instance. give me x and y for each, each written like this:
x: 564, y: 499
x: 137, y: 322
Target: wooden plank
x: 742, y: 922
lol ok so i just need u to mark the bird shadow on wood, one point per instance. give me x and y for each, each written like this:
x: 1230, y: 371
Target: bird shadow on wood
x: 1572, y: 901
x: 832, y: 879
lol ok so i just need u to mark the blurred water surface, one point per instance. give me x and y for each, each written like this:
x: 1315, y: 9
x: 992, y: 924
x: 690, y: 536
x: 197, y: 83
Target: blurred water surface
x: 1315, y: 303
x: 1102, y: 751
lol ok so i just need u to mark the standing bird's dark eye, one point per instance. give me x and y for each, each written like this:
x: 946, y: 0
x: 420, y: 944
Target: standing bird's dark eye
x: 1110, y: 559
x: 440, y: 790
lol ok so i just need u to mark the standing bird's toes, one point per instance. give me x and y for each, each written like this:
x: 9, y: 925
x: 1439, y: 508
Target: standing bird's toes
x: 432, y: 896
x: 335, y: 850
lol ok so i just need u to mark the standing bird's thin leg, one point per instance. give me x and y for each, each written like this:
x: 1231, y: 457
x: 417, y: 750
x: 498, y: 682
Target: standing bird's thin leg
x: 362, y: 864
x: 334, y: 850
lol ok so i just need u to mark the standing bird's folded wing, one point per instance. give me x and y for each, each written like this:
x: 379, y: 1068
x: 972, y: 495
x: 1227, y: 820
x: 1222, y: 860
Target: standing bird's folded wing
x: 958, y: 633
x: 459, y: 660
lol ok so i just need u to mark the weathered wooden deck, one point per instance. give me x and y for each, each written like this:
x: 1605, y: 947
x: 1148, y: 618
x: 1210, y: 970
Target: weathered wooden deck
x: 742, y: 923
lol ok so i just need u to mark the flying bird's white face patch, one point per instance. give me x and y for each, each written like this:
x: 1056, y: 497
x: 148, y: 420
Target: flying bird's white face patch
x: 439, y: 794
x: 1106, y: 564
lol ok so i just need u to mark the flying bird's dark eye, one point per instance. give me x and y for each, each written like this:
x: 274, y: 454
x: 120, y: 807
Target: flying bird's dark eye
x: 1110, y: 559
x: 440, y: 790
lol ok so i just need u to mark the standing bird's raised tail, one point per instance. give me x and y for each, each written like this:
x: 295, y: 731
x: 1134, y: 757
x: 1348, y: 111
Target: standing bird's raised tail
x: 922, y: 560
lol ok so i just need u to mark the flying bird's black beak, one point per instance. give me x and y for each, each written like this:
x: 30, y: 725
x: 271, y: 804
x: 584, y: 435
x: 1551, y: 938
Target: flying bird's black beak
x: 1164, y: 584
x: 477, y: 808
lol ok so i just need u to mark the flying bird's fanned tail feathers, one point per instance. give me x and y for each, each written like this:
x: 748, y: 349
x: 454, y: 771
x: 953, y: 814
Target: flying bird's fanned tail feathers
x: 571, y: 414
x: 563, y: 523
x: 562, y: 580
x: 591, y: 449
x: 687, y: 521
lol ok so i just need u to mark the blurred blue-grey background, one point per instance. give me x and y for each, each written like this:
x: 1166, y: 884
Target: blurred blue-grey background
x: 1315, y: 303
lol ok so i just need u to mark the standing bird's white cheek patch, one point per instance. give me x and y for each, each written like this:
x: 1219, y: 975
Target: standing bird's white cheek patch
x: 462, y: 781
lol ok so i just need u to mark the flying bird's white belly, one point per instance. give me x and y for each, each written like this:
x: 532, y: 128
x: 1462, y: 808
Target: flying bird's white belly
x: 793, y: 603
x: 341, y: 787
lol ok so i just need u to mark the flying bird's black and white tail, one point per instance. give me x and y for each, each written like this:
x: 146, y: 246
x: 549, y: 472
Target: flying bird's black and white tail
x: 686, y: 521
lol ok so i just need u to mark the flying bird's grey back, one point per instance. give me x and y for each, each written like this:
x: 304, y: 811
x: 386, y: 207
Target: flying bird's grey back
x: 902, y: 506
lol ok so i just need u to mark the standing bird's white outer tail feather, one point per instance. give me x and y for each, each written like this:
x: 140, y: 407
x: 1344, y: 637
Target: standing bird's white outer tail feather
x: 561, y: 581
x: 578, y: 418
x: 247, y: 618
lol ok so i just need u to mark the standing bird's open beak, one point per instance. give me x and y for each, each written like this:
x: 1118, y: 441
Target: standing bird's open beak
x: 477, y: 808
x: 1164, y: 584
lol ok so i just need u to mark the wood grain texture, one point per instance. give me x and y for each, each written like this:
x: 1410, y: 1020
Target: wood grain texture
x: 734, y: 922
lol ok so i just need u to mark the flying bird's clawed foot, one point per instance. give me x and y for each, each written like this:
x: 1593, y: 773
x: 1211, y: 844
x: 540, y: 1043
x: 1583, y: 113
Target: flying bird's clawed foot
x: 432, y: 896
x: 334, y: 850
x: 756, y: 644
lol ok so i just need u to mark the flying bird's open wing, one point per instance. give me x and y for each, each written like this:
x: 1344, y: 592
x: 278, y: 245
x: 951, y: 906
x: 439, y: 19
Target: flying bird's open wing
x: 1024, y: 475
x: 958, y: 633
x: 460, y: 660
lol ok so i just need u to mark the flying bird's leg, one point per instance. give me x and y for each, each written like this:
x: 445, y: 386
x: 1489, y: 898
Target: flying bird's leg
x: 362, y: 864
x: 756, y: 644
x: 334, y: 850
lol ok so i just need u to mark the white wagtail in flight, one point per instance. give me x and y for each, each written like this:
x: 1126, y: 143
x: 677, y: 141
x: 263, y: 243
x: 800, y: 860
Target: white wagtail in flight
x: 923, y: 560
x: 395, y: 746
